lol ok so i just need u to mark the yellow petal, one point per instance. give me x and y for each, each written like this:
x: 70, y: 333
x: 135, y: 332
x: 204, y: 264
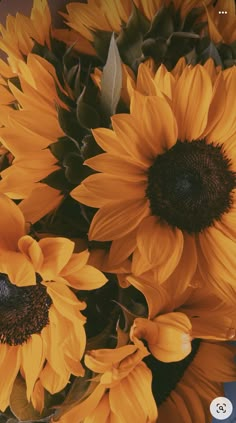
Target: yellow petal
x: 160, y: 245
x: 53, y: 382
x: 12, y: 224
x: 168, y: 336
x: 40, y: 201
x: 9, y: 370
x: 56, y: 252
x: 32, y: 361
x: 85, y: 408
x: 87, y: 278
x: 28, y: 246
x: 117, y: 219
x: 191, y: 100
x: 18, y: 268
x: 37, y: 397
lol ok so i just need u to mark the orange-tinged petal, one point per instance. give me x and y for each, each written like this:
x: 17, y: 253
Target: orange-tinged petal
x: 191, y: 100
x: 9, y: 370
x: 18, y: 268
x: 41, y: 201
x: 158, y: 126
x: 56, y: 252
x: 102, y: 360
x: 122, y: 248
x: 82, y: 194
x: 101, y: 412
x: 164, y: 81
x: 85, y: 408
x: 31, y: 249
x: 135, y: 394
x: 117, y: 219
x: 76, y: 263
x: 113, y: 188
x: 53, y: 382
x: 12, y: 224
x: 33, y: 348
x: 127, y: 129
x: 112, y: 165
x: 54, y: 338
x: 109, y: 142
x: 87, y: 278
x: 160, y: 245
x: 219, y: 251
x: 37, y: 397
x: 145, y: 83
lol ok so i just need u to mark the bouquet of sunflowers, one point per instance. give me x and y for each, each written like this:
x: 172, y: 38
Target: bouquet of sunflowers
x: 118, y: 211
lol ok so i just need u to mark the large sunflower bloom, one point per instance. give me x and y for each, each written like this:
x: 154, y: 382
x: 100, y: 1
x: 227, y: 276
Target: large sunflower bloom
x: 166, y: 187
x: 42, y: 329
x: 21, y: 32
x: 27, y: 132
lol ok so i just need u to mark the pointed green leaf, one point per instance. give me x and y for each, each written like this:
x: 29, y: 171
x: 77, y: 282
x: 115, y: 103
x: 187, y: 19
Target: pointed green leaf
x: 111, y: 82
x: 87, y: 115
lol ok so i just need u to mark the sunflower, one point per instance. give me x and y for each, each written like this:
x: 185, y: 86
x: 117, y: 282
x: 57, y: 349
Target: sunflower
x: 42, y: 328
x: 166, y: 187
x: 123, y: 376
x: 30, y: 139
x: 162, y: 29
x: 21, y: 32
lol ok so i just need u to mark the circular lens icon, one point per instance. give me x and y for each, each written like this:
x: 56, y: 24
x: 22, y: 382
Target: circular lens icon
x: 221, y: 408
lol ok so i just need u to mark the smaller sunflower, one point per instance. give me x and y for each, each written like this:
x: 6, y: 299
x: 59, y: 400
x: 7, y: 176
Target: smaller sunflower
x: 41, y: 319
x: 177, y: 363
x: 30, y: 140
x: 21, y: 32
x: 122, y: 378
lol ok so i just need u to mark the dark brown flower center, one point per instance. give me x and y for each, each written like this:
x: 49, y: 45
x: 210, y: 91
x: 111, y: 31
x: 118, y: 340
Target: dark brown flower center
x: 190, y: 186
x: 23, y: 310
x: 166, y: 376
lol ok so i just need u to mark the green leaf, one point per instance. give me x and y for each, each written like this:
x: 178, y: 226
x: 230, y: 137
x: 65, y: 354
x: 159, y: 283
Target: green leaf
x: 111, y: 82
x: 90, y: 148
x: 131, y: 36
x: 101, y: 42
x: 20, y: 406
x: 211, y: 51
x: 87, y: 115
x: 58, y: 181
x: 80, y: 389
x: 62, y: 147
x: 75, y: 170
x: 69, y: 124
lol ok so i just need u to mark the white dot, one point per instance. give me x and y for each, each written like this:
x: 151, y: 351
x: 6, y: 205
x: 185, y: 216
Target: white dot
x: 219, y: 11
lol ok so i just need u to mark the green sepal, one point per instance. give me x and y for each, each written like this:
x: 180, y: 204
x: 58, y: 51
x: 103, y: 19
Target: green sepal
x: 101, y: 42
x: 24, y: 410
x: 130, y: 38
x: 58, y: 180
x: 62, y: 147
x: 69, y: 124
x: 48, y: 55
x: 75, y: 170
x: 86, y: 114
x: 89, y: 147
